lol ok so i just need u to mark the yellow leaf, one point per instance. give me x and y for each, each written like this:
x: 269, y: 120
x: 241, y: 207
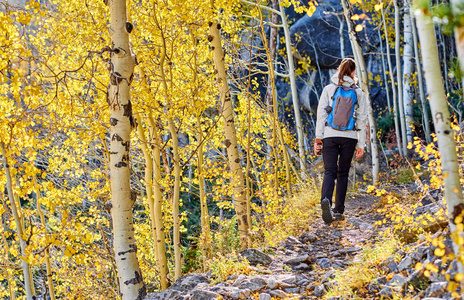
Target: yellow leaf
x: 459, y: 277
x: 355, y: 17
x: 311, y: 10
x: 378, y: 7
x: 359, y: 28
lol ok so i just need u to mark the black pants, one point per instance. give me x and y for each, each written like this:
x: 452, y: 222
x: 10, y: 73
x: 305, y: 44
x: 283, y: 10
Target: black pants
x: 337, y: 153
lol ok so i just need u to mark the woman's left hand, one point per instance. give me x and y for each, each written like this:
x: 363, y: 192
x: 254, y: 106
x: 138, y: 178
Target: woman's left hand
x: 359, y: 153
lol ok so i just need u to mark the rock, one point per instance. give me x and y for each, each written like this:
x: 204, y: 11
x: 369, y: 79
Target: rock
x: 328, y: 275
x: 203, y: 295
x: 299, y: 259
x: 320, y: 291
x: 241, y: 294
x: 417, y: 280
x: 420, y: 253
x: 292, y: 240
x: 389, y: 265
x: 279, y: 294
x: 301, y: 267
x: 273, y: 284
x: 265, y: 296
x: 292, y: 290
x: 386, y: 292
x: 307, y: 237
x: 239, y: 280
x: 182, y: 285
x: 397, y: 280
x: 232, y: 277
x: 376, y: 284
x: 405, y: 263
x: 436, y: 289
x: 255, y: 257
x: 324, y: 263
x: 254, y: 284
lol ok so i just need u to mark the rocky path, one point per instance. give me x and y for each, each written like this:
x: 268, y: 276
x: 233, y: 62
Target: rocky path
x: 303, y: 267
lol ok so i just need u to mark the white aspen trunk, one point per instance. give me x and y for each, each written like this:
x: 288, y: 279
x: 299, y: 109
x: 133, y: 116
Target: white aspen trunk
x: 399, y: 79
x: 408, y: 69
x: 441, y: 120
x: 384, y: 71
x: 361, y: 65
x: 394, y: 89
x: 231, y: 144
x: 48, y: 266
x: 420, y: 79
x: 342, y: 40
x: 121, y: 121
x: 162, y: 261
x: 296, y: 104
x: 27, y: 274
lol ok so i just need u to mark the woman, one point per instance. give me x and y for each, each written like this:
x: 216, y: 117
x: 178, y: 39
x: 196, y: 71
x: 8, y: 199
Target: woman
x: 338, y: 146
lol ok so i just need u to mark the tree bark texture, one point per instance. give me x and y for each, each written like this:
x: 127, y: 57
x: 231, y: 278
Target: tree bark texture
x: 399, y: 79
x: 420, y: 79
x: 408, y: 69
x: 442, y: 122
x: 231, y: 144
x: 121, y: 121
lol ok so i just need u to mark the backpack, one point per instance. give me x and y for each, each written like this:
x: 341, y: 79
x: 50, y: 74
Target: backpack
x: 342, y: 113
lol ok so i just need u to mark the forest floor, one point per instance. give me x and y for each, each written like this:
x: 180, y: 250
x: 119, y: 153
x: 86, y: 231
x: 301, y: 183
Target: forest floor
x: 349, y: 259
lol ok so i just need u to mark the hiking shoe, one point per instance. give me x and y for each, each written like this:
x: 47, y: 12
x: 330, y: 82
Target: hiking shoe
x: 326, y: 213
x: 338, y: 216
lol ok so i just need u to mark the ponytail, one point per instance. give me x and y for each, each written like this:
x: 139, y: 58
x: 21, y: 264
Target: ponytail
x: 346, y: 68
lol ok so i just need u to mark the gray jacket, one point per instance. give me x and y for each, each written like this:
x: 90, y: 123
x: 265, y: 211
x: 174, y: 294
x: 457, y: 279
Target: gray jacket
x: 323, y: 131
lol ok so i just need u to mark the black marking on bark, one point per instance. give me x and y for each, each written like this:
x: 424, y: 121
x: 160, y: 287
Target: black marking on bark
x: 113, y: 152
x: 105, y: 2
x: 215, y: 71
x: 439, y: 117
x: 136, y: 280
x: 210, y: 23
x: 131, y: 78
x: 120, y: 164
x: 237, y: 160
x: 218, y: 26
x: 132, y: 248
x: 125, y: 157
x: 116, y: 137
x: 210, y: 38
x: 228, y: 98
x: 212, y: 48
x: 115, y: 78
x: 219, y: 80
x: 126, y: 145
x: 142, y: 293
x: 133, y: 122
x: 447, y: 132
x: 123, y: 258
x: 127, y: 109
x: 227, y: 143
x: 129, y: 27
x: 457, y: 211
x: 133, y: 196
x: 245, y: 221
x: 113, y: 122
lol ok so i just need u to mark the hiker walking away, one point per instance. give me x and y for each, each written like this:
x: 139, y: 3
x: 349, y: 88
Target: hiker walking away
x: 340, y: 130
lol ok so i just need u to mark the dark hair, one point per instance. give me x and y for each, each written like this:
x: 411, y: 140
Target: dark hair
x: 346, y: 68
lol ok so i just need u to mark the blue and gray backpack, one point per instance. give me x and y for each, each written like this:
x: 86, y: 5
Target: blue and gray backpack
x: 342, y: 113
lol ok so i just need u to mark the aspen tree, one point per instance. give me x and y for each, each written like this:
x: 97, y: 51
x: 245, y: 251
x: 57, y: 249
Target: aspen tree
x: 121, y: 75
x: 399, y: 79
x: 361, y: 65
x: 15, y: 209
x: 408, y: 69
x: 443, y: 130
x: 227, y: 111
x: 420, y: 79
x: 393, y: 87
x: 459, y: 34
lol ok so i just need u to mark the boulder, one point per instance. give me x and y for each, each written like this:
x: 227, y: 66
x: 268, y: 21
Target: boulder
x: 256, y: 257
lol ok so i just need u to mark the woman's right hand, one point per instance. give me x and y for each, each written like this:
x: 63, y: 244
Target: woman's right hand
x: 317, y: 147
